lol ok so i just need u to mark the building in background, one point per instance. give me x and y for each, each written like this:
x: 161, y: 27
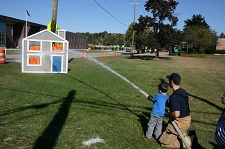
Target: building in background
x: 220, y: 44
x: 13, y: 30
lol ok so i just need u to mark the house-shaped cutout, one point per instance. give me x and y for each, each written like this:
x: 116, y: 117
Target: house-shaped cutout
x: 44, y: 52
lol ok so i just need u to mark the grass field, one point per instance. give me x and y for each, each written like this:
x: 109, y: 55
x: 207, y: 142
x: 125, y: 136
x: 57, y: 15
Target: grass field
x: 63, y: 110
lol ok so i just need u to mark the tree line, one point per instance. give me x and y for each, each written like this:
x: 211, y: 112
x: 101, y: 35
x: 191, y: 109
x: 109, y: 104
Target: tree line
x: 158, y: 31
x: 105, y: 38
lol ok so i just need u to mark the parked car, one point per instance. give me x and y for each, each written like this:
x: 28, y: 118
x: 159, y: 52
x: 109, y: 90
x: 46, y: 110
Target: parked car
x: 151, y: 50
x: 127, y: 50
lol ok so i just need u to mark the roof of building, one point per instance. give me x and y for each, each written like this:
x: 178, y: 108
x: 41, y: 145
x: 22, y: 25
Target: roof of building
x: 221, y: 40
x: 10, y: 20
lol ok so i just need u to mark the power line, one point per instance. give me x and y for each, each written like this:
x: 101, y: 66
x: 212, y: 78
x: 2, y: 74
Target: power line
x: 115, y: 12
x: 110, y: 13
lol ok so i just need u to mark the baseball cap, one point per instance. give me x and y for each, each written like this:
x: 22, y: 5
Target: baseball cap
x: 175, y: 77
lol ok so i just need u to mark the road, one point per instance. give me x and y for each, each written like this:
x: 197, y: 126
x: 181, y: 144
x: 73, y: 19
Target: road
x: 79, y: 54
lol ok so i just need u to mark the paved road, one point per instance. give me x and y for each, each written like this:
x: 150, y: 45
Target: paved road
x: 76, y: 54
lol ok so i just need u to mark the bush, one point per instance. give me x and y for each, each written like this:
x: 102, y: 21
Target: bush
x: 210, y: 51
x: 220, y: 51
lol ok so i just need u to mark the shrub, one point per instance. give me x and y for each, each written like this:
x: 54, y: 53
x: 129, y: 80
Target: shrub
x: 220, y: 51
x: 210, y: 51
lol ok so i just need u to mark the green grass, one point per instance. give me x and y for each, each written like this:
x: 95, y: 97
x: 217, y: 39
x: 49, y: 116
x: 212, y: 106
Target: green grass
x: 99, y: 51
x: 63, y: 110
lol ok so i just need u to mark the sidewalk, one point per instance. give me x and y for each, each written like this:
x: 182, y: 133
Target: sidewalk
x: 13, y: 58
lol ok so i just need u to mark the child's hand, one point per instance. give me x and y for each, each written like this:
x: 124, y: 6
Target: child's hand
x: 150, y: 97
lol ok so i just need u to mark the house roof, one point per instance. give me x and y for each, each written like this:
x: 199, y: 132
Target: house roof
x: 46, y: 33
x: 10, y: 20
x: 221, y: 40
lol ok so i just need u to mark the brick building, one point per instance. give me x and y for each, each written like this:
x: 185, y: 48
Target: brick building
x: 13, y: 30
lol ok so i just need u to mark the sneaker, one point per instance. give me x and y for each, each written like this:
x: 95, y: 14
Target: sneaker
x: 145, y: 138
x: 188, y: 140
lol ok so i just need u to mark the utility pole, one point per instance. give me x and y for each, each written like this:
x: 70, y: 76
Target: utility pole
x: 54, y: 16
x: 134, y: 3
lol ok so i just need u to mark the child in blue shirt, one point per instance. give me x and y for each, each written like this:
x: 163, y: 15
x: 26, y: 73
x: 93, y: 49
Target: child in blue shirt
x: 158, y: 110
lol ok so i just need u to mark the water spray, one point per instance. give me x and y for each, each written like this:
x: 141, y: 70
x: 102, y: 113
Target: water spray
x: 111, y: 70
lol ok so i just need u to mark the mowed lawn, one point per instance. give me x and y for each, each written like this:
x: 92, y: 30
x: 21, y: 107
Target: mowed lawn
x: 62, y: 111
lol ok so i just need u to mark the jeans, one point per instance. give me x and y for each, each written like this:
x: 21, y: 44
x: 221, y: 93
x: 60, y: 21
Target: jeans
x: 154, y: 125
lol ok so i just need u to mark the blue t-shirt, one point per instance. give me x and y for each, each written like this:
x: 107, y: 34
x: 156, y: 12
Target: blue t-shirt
x: 177, y: 102
x: 159, y: 106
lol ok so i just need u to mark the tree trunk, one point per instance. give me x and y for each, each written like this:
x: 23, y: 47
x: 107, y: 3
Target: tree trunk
x: 157, y: 37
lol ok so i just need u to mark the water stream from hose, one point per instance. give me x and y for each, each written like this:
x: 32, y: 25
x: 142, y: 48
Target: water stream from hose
x: 111, y: 70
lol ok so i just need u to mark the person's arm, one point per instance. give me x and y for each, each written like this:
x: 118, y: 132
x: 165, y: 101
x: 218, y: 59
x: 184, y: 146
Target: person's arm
x: 173, y: 115
x: 167, y: 104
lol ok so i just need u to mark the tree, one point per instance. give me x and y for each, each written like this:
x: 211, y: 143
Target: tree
x: 196, y: 20
x: 161, y: 10
x: 104, y: 38
x: 222, y: 35
x: 169, y: 36
x: 198, y: 34
x: 128, y: 35
x: 200, y: 39
x: 143, y: 39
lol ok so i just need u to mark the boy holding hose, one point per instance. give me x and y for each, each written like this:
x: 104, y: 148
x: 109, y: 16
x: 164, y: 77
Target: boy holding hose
x: 158, y: 110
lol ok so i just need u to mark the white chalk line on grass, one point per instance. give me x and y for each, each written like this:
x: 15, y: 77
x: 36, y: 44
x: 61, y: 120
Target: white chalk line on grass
x: 93, y: 141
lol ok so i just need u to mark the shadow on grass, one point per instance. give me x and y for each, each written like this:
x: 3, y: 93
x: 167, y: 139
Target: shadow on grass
x: 143, y: 118
x: 70, y: 60
x: 49, y: 136
x: 215, y: 146
x: 148, y: 57
x: 102, y: 93
x: 39, y: 106
x: 206, y: 101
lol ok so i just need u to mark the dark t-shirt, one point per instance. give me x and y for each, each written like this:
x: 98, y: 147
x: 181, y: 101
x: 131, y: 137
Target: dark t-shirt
x: 178, y: 101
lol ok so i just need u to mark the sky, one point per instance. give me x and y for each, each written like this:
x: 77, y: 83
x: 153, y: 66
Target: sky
x: 113, y: 16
